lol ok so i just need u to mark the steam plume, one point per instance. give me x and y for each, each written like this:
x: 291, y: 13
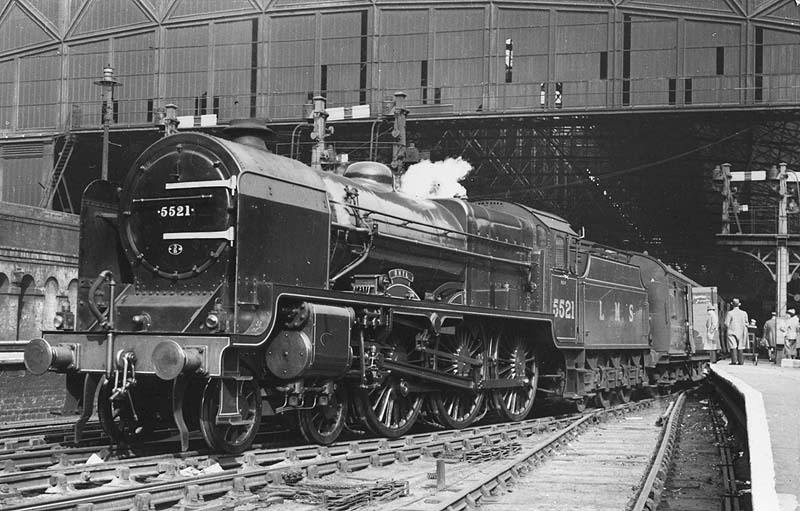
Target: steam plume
x: 428, y: 179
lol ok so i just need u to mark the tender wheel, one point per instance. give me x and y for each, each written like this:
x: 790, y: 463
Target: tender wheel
x: 119, y: 418
x: 515, y: 358
x: 323, y: 423
x: 462, y: 352
x: 238, y: 435
x: 647, y: 392
x: 603, y: 398
x: 624, y: 394
x: 389, y: 409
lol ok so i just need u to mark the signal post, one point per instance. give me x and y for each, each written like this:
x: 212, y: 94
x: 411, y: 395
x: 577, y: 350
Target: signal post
x: 778, y: 251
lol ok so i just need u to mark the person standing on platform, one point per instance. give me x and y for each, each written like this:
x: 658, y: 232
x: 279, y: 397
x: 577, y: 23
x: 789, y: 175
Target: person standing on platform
x: 771, y: 335
x: 712, y: 330
x: 790, y: 339
x: 752, y: 339
x: 736, y: 324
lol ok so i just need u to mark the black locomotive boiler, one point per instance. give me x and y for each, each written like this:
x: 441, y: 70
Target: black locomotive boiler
x: 223, y: 285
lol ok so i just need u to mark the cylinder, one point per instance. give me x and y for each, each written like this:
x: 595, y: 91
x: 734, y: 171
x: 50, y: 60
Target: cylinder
x: 320, y: 349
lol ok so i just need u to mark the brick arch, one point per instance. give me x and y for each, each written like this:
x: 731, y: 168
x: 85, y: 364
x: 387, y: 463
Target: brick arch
x: 8, y: 304
x: 51, y: 303
x: 72, y: 296
x: 29, y: 310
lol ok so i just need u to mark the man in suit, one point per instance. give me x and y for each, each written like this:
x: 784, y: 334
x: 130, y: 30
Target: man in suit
x: 736, y: 324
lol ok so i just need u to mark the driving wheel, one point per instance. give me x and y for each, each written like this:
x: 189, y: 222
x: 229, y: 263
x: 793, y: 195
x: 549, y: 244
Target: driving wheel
x: 515, y: 359
x: 460, y: 354
x: 389, y: 408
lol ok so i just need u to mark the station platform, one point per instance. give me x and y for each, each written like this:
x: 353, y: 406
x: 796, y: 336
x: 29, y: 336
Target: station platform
x: 772, y: 402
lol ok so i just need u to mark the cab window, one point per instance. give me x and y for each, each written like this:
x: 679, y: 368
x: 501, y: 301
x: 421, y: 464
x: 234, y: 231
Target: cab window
x: 561, y: 251
x: 541, y: 237
x: 571, y: 254
x: 673, y: 295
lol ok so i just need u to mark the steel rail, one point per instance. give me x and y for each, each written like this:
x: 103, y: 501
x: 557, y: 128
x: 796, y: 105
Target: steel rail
x: 35, y: 426
x: 650, y: 489
x: 37, y: 438
x: 731, y: 495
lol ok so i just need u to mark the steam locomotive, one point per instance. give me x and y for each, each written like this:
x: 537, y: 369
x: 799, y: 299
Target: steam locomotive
x: 223, y: 284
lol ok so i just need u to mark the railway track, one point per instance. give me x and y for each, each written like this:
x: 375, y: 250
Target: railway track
x: 678, y: 458
x: 16, y: 436
x: 340, y: 477
x: 597, y: 463
x: 702, y: 443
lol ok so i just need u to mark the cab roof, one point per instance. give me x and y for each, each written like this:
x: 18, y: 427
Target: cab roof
x: 552, y: 221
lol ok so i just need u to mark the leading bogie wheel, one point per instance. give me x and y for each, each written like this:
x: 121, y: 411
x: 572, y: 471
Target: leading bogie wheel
x: 323, y: 423
x: 515, y: 359
x: 118, y: 416
x: 237, y: 435
x: 461, y: 354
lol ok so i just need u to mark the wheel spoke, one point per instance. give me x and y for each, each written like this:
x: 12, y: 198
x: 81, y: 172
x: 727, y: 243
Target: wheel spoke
x: 515, y: 360
x: 452, y: 408
x: 384, y: 404
x: 457, y: 354
x: 389, y: 412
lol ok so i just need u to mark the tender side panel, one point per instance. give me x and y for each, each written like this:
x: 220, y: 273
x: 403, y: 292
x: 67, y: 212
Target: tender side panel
x: 614, y: 317
x: 654, y: 278
x: 615, y: 306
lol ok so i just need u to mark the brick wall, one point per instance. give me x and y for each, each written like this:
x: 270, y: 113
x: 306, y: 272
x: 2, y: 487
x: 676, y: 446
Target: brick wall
x: 24, y: 396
